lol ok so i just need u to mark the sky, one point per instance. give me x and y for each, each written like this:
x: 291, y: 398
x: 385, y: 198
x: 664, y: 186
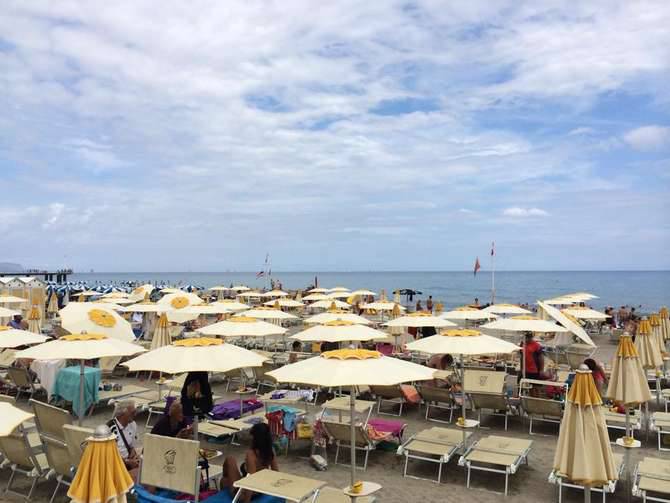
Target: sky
x: 348, y: 135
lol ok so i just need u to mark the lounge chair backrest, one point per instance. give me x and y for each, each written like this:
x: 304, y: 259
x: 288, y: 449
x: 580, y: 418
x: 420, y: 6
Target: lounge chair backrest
x: 50, y: 420
x: 7, y: 399
x: 58, y: 456
x: 387, y: 392
x: 7, y: 357
x: 20, y: 377
x: 484, y: 381
x: 342, y: 432
x: 17, y: 450
x: 542, y: 406
x: 170, y: 463
x: 435, y: 394
x: 75, y: 438
x: 108, y: 364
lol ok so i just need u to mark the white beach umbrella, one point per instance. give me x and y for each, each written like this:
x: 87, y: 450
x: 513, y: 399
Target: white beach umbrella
x: 289, y: 303
x: 251, y: 294
x: 524, y: 323
x: 12, y: 418
x: 35, y: 320
x: 52, y: 306
x: 240, y: 288
x: 275, y: 293
x: 383, y: 305
x: 220, y: 288
x: 339, y: 295
x: 233, y: 305
x: 321, y: 318
x: 317, y: 290
x: 564, y: 320
x: 242, y: 326
x: 95, y: 318
x: 338, y: 289
x: 468, y: 313
x: 115, y: 295
x: 213, y: 308
x: 363, y: 293
x: 14, y: 338
x: 146, y: 307
x: 581, y: 296
x: 177, y: 302
x: 560, y: 301
x: 506, y: 309
x: 330, y: 304
x: 646, y: 346
x: 340, y: 331
x: 349, y: 367
x: 8, y: 313
x: 420, y: 319
x: 12, y: 299
x: 141, y: 292
x: 169, y: 290
x: 119, y: 301
x: 315, y: 296
x: 585, y: 313
x: 88, y: 293
x: 267, y: 313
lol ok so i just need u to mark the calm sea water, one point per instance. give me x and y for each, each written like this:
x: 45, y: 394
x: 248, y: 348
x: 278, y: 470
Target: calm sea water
x: 647, y: 289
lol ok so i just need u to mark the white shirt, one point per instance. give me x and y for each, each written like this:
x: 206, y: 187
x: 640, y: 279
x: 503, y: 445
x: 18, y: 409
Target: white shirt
x: 130, y: 434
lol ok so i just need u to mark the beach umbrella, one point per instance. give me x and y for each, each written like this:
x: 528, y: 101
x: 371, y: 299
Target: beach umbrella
x: 330, y: 304
x: 340, y: 331
x: 116, y: 301
x: 337, y: 314
x: 275, y: 293
x: 101, y: 475
x: 242, y: 326
x: 233, y: 305
x: 8, y: 313
x: 170, y: 290
x: 12, y: 299
x: 116, y: 295
x: 647, y: 347
x: 146, y: 306
x: 240, y: 288
x: 35, y: 320
x: 583, y: 454
x: 657, y: 332
x: 66, y: 298
x: 565, y: 321
x: 506, y: 309
x: 161, y: 334
x: 664, y: 315
x: 250, y: 294
x: 87, y: 293
x: 141, y: 292
x: 178, y: 301
x: 560, y: 301
x: 52, y: 306
x: 468, y: 313
x: 83, y: 346
x: 420, y: 319
x: 585, y: 313
x: 316, y: 296
x: 524, y: 323
x: 363, y: 293
x: 220, y: 288
x: 351, y: 367
x: 382, y: 305
x: 12, y: 418
x: 289, y: 303
x: 14, y: 338
x: 89, y: 317
x: 339, y: 295
x: 582, y: 296
x: 200, y: 309
x: 267, y: 313
x: 317, y: 290
x: 338, y: 289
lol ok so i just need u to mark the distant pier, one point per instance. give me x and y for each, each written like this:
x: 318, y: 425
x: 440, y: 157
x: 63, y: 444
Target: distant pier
x: 59, y: 275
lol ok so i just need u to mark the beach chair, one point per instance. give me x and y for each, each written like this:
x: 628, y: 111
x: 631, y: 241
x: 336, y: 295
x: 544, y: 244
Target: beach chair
x: 651, y: 476
x: 341, y: 433
x: 108, y: 364
x: 7, y: 358
x: 436, y: 445
x: 606, y: 489
x: 333, y: 495
x: 23, y: 459
x: 284, y: 486
x: 665, y: 397
x: 496, y: 454
x: 50, y: 420
x: 437, y: 398
x: 617, y: 421
x: 541, y: 408
x: 660, y: 423
x: 486, y: 389
x: 59, y: 460
x: 129, y: 391
x: 172, y: 463
x: 75, y: 439
x: 22, y: 381
x: 262, y: 379
x: 391, y: 394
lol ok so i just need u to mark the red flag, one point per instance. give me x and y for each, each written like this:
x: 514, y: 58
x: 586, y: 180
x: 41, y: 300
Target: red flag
x: 493, y: 248
x: 477, y: 266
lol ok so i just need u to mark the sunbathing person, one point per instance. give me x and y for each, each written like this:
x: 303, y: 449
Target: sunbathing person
x: 259, y: 456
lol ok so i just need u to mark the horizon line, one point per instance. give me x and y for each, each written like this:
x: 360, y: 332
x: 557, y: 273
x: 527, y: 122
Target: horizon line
x: 481, y: 271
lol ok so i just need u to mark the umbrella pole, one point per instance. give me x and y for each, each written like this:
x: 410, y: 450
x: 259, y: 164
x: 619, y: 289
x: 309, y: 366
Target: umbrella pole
x: 587, y: 494
x: 352, y: 426
x: 81, y: 390
x: 465, y: 433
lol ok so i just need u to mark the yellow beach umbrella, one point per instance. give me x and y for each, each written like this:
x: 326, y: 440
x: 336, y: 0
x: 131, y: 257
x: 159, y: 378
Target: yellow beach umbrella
x: 647, y: 346
x: 14, y: 338
x: 91, y: 317
x: 664, y: 315
x: 583, y: 454
x: 35, y: 320
x: 101, y: 476
x: 439, y: 308
x: 161, y: 334
x: 177, y: 302
x: 141, y: 292
x: 52, y: 306
x: 12, y: 418
x: 340, y: 331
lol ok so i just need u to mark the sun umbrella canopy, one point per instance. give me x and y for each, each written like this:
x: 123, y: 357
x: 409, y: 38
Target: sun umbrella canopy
x: 330, y: 304
x: 14, y: 338
x: 146, y: 307
x: 87, y: 293
x: 267, y: 313
x: 170, y: 290
x: 363, y: 292
x: 382, y: 305
x: 12, y: 299
x: 646, y: 346
x: 220, y: 288
x: 242, y: 326
x: 564, y: 320
x: 213, y: 308
x: 161, y: 335
x: 339, y: 295
x: 468, y: 313
x: 340, y: 331
x: 560, y: 301
x: 115, y: 295
x: 202, y: 354
x: 12, y: 417
x: 250, y: 294
x: 628, y: 382
x: 240, y: 288
x: 583, y: 454
x: 315, y: 296
x: 506, y: 309
x: 338, y: 289
x: 524, y: 323
x: 8, y: 313
x: 275, y: 293
x: 80, y: 347
x: 462, y: 342
x: 90, y: 317
x: 176, y: 302
x: 322, y: 318
x: 352, y: 367
x: 284, y: 303
x: 420, y: 319
x: 317, y: 290
x: 233, y: 305
x: 141, y: 292
x: 585, y: 313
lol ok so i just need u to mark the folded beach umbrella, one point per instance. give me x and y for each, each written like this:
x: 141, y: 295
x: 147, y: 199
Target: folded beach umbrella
x: 585, y: 313
x: 420, y: 319
x: 330, y: 304
x: 52, y: 306
x: 566, y: 321
x: 177, y: 302
x: 352, y: 367
x: 12, y: 418
x: 506, y: 309
x: 336, y: 314
x: 647, y: 346
x: 267, y: 313
x: 101, y: 475
x: 468, y: 313
x: 35, y: 320
x: 583, y: 454
x: 657, y: 332
x: 14, y: 338
x: 664, y: 315
x: 242, y: 326
x: 161, y: 334
x: 84, y: 346
x: 91, y: 317
x: 340, y: 331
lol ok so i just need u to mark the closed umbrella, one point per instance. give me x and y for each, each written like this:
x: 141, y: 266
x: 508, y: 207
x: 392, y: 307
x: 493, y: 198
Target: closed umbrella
x: 583, y: 453
x: 12, y: 418
x: 35, y: 320
x: 161, y: 335
x: 52, y: 306
x: 14, y: 338
x: 90, y: 317
x: 340, y: 331
x: 664, y: 315
x: 351, y: 367
x: 657, y: 332
x: 647, y: 346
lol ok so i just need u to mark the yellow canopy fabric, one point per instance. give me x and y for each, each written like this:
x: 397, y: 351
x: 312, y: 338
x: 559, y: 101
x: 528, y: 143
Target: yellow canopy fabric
x: 101, y: 476
x: 628, y: 382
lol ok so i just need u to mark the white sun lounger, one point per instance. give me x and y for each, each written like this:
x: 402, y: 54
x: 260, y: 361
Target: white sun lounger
x: 497, y: 455
x: 436, y: 445
x: 665, y: 397
x: 652, y: 475
x: 660, y: 423
x: 609, y: 488
x: 333, y: 495
x: 280, y: 485
x: 617, y: 421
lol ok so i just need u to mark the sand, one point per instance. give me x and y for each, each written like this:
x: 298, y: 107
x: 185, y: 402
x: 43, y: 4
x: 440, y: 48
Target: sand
x: 529, y: 484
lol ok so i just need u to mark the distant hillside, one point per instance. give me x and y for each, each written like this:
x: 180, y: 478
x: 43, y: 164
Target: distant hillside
x: 10, y: 267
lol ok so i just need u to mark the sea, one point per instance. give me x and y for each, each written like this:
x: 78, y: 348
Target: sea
x: 645, y: 290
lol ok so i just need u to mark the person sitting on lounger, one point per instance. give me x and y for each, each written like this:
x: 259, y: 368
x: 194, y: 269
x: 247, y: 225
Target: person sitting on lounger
x: 173, y: 424
x: 124, y: 427
x: 259, y: 456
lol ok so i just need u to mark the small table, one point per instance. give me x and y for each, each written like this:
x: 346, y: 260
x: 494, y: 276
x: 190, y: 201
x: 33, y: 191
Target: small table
x: 66, y: 386
x: 368, y: 489
x: 280, y: 485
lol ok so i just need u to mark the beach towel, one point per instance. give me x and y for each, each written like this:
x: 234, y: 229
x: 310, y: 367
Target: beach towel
x: 231, y: 408
x: 393, y: 426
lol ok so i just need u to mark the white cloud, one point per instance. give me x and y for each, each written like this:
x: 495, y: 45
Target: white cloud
x: 648, y: 138
x: 518, y: 212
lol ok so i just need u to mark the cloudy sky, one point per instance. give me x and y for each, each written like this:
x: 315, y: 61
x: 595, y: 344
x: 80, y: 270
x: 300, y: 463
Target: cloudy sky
x: 161, y: 136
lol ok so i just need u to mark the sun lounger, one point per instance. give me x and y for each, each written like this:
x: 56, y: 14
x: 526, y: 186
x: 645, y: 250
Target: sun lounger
x: 486, y: 389
x: 341, y: 433
x: 665, y: 397
x: 24, y: 460
x: 660, y: 423
x: 7, y: 358
x: 391, y: 394
x: 230, y: 427
x: 280, y: 485
x: 541, y: 408
x: 437, y: 398
x: 436, y: 445
x: 22, y: 380
x: 59, y: 460
x: 75, y: 438
x: 609, y: 488
x: 617, y: 421
x: 652, y: 475
x: 333, y: 495
x: 497, y: 455
x: 50, y: 420
x: 340, y: 405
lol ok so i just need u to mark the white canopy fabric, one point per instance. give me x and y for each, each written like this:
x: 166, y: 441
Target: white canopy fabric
x: 628, y: 381
x: 363, y: 292
x: 14, y: 338
x: 524, y: 324
x: 468, y: 313
x: 267, y: 313
x: 567, y: 323
x: 585, y: 313
x: 462, y: 342
x: 177, y: 302
x: 242, y: 326
x: 240, y: 288
x: 315, y: 296
x: 340, y: 331
x: 213, y: 308
x: 96, y: 318
x: 8, y: 313
x: 275, y: 293
x: 506, y: 309
x: 322, y: 318
x: 80, y: 347
x: 327, y: 304
x: 338, y: 289
x: 382, y: 305
x: 141, y: 292
x: 290, y: 303
x: 12, y: 417
x: 250, y: 294
x: 12, y: 299
x: 317, y: 290
x: 420, y: 319
x: 146, y: 307
x: 233, y: 305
